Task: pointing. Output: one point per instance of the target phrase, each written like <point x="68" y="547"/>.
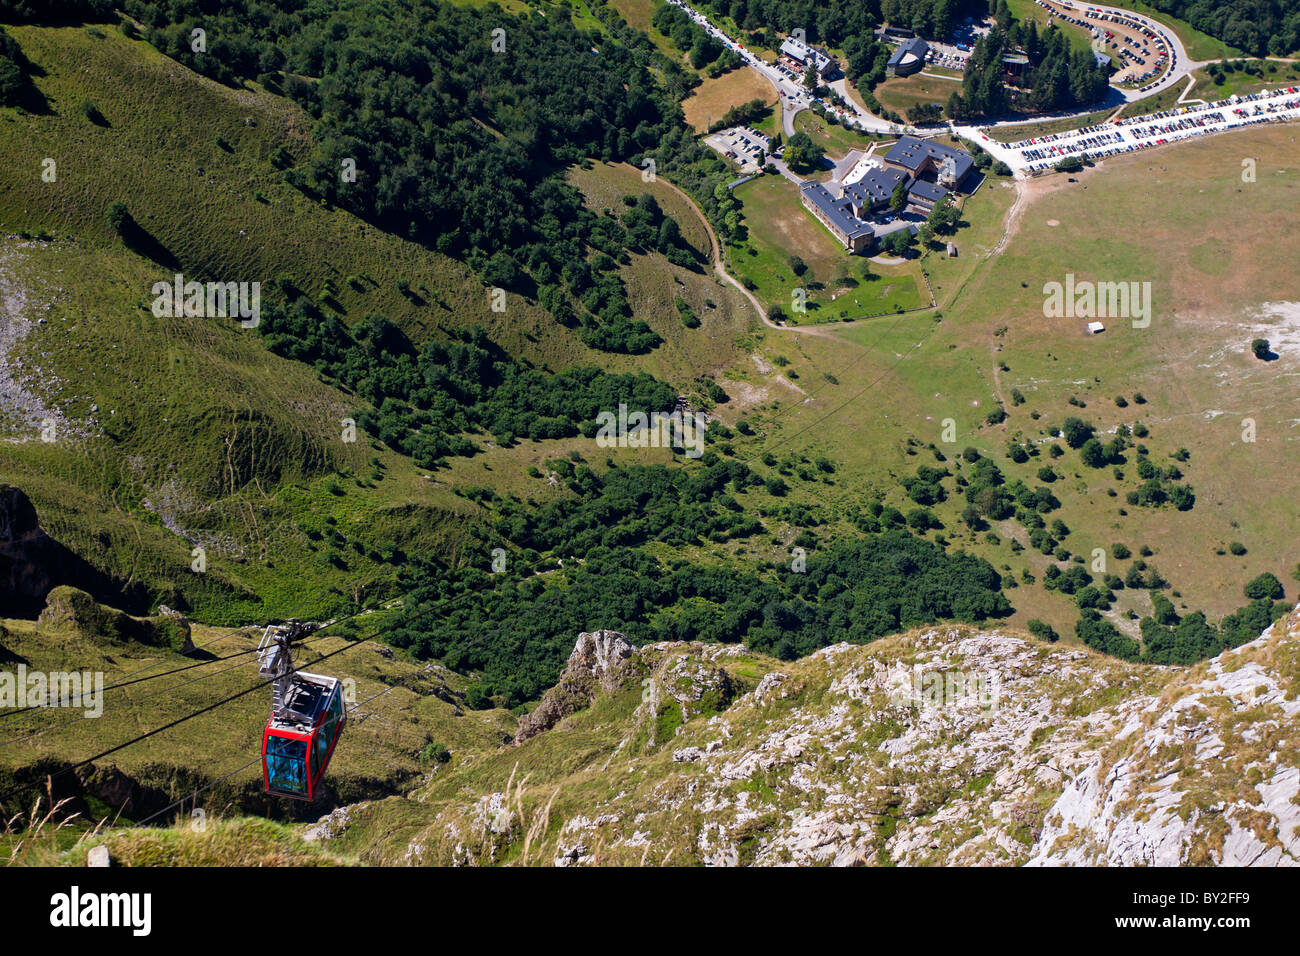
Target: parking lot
<point x="1141" y="54"/>
<point x="745" y="146"/>
<point x="1041" y="153"/>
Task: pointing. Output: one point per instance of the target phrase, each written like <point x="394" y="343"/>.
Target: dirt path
<point x="1023" y="197"/>
<point x="1013" y="216"/>
<point x="715" y="254"/>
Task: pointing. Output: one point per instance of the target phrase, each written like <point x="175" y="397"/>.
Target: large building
<point x="801" y="56"/>
<point x="837" y="216"/>
<point x="929" y="172"/>
<point x="873" y="190"/>
<point x="926" y="159"/>
<point x="908" y="58"/>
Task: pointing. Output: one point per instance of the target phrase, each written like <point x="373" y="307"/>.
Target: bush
<point x="1076" y="432"/>
<point x="1265" y="586"/>
<point x="478" y="697"/>
<point x="119" y="217"/>
<point x="1044" y="632"/>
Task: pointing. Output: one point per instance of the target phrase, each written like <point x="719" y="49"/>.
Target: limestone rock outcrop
<point x="601" y="660"/>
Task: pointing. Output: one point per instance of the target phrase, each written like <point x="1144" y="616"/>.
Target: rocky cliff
<point x="947" y="746"/>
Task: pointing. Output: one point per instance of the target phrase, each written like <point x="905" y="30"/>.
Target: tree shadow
<point x="33" y="101"/>
<point x="93" y="114"/>
<point x="139" y="240"/>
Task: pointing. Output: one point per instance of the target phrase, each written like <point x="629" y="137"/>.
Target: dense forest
<point x="1057" y="78"/>
<point x="454" y="126"/>
<point x="519" y="633"/>
<point x="1260" y="27"/>
<point x="424" y="401"/>
<point x="833" y="22"/>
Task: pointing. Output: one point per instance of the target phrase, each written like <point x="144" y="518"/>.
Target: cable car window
<point x="324" y="736"/>
<point x="286" y="764"/>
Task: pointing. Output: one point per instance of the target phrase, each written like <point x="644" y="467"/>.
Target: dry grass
<point x="903" y="92"/>
<point x="712" y="98"/>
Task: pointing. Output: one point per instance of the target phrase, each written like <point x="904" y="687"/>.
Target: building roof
<point x="908" y="50"/>
<point x="910" y="153"/>
<point x="930" y="192"/>
<point x="875" y="186"/>
<point x="803" y="53"/>
<point x="839" y="212"/>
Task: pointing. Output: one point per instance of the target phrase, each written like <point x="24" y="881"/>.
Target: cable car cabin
<point x="301" y="734"/>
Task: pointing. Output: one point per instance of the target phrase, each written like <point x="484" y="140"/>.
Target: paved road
<point x="1181" y="64"/>
<point x="794" y="97"/>
<point x="791" y="92"/>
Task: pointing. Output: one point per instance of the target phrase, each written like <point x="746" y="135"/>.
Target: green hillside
<point x="408" y="438"/>
<point x="200" y="433"/>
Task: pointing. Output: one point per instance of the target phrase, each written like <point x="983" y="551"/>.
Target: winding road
<point x="795" y="98"/>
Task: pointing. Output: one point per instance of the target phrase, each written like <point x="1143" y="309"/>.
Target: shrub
<point x="1042" y="631"/>
<point x="119" y="217"/>
<point x="1265" y="586"/>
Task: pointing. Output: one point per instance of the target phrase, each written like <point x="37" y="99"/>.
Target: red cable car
<point x="307" y="718"/>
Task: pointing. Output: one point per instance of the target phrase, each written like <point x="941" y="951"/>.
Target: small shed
<point x="1095" y="327"/>
<point x="952" y="250"/>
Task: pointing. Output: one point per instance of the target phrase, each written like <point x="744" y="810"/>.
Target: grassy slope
<point x="912" y="373"/>
<point x="174" y="394"/>
<point x="903" y="92"/>
<point x="836" y="140"/>
<point x="710" y="100"/>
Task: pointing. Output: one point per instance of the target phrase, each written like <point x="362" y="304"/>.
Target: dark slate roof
<point x="876" y="186"/>
<point x="927" y="191"/>
<point x="910" y="152"/>
<point x="837" y="211"/>
<point x="915" y="46"/>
